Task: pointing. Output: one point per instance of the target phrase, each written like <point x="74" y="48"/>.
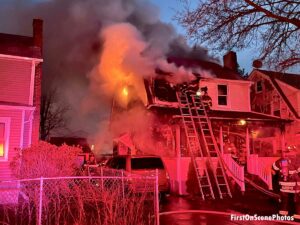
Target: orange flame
<point x="125" y="91"/>
<point x="122" y="63"/>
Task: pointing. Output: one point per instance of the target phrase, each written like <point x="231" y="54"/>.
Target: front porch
<point x="248" y="145"/>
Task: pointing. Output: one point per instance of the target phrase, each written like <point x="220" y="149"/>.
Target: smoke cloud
<point x="92" y="48"/>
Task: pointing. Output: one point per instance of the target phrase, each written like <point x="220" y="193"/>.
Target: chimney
<point x="230" y="61"/>
<point x="37" y="25"/>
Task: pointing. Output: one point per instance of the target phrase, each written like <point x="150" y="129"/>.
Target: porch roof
<point x="225" y="115"/>
<point x="237" y="115"/>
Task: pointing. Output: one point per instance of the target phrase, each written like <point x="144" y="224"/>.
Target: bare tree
<point x="53" y="113"/>
<point x="272" y="26"/>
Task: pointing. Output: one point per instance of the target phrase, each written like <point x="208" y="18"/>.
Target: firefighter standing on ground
<point x="288" y="170"/>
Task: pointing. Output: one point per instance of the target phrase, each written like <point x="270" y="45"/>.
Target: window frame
<point x="256" y="85"/>
<point x="222" y="95"/>
<point x="6" y="121"/>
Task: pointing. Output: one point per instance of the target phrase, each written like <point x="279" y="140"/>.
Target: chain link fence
<point x="113" y="198"/>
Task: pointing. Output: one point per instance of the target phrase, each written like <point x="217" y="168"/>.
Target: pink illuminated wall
<point x="238" y="94"/>
<point x="15" y="81"/>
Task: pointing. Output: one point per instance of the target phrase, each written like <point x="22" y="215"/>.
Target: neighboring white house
<point x="278" y="94"/>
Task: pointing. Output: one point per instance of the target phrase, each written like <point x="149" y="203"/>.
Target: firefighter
<point x="206" y="100"/>
<point x="287" y="171"/>
<point x="297" y="197"/>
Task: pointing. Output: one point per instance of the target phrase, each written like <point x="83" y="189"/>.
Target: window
<point x="4" y="135"/>
<point x="117" y="163"/>
<point x="259" y="86"/>
<point x="222" y="94"/>
<point x="2" y="139"/>
<point x="276" y="105"/>
<point x="146" y="163"/>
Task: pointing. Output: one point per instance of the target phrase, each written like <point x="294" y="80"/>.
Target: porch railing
<point x="262" y="167"/>
<point x="236" y="171"/>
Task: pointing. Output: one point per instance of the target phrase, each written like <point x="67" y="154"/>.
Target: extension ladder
<point x="197" y="125"/>
<point x="211" y="147"/>
<point x="194" y="146"/>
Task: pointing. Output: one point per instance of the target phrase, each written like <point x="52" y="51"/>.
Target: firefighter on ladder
<point x="206" y="99"/>
<point x="288" y="171"/>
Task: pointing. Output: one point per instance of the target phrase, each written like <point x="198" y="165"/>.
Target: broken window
<point x="163" y="91"/>
<point x="222" y="94"/>
<point x="276" y="105"/>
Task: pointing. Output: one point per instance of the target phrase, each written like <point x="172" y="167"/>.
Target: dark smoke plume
<point x="74" y="40"/>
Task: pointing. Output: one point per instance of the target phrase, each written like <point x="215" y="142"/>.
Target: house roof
<point x="17" y="45"/>
<point x="288" y="78"/>
<point x="214" y="68"/>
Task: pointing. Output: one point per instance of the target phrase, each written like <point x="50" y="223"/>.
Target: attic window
<point x="222" y="94"/>
<point x="259" y="86"/>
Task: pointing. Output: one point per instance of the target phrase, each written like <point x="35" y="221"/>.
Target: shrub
<point x="46" y="160"/>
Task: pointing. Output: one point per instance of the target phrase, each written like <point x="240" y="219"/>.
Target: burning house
<point x="225" y="132"/>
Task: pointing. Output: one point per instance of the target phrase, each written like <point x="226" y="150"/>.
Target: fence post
<point x="41" y="201"/>
<point x="123" y="191"/>
<point x="156" y="202"/>
<point x="101" y="174"/>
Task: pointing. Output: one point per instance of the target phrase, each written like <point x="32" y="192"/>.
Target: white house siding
<point x="27" y="129"/>
<point x="238" y="94"/>
<point x="15" y="78"/>
<point x="292" y="136"/>
<point x="292" y="94"/>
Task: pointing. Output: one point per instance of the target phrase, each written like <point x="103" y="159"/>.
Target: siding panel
<point x="15" y="78"/>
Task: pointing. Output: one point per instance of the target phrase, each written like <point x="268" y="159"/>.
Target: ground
<point x="250" y="203"/>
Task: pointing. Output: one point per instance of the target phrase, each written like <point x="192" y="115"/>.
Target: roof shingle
<point x="288" y="78"/>
<point x="216" y="69"/>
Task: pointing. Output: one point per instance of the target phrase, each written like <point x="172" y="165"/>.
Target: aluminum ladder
<point x="194" y="146"/>
<point x="211" y="147"/>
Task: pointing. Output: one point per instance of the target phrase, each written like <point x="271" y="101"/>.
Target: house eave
<point x="36" y="60"/>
